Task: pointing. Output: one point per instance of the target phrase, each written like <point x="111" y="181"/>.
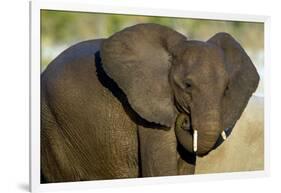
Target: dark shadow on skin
<point x="139" y="157"/>
<point x="220" y="139"/>
<point x="111" y="85"/>
<point x="42" y="178"/>
<point x="185" y="155"/>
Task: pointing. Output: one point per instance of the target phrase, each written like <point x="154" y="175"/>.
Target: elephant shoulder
<point x="79" y="51"/>
<point x="72" y="70"/>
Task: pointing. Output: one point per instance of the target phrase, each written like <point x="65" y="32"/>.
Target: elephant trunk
<point x="208" y="134"/>
<point x="207" y="141"/>
<point x="184" y="135"/>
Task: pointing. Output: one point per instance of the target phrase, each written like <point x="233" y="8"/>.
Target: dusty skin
<point x="244" y="148"/>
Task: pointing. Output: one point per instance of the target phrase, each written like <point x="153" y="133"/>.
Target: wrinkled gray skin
<point x="117" y="118"/>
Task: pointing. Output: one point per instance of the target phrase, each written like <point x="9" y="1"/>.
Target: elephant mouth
<point x="184" y="123"/>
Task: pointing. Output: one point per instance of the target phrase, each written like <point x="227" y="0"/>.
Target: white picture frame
<point x="35" y="8"/>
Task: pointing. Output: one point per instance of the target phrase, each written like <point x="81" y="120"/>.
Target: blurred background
<point x="244" y="149"/>
<point x="61" y="29"/>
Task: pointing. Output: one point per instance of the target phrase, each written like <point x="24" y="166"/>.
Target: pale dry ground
<point x="244" y="148"/>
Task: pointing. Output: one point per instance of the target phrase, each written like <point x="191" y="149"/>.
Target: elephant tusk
<point x="223" y="135"/>
<point x="195" y="136"/>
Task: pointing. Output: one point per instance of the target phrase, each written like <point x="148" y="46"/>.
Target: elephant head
<point x="164" y="74"/>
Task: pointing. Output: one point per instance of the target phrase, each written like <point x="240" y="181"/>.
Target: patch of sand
<point x="244" y="148"/>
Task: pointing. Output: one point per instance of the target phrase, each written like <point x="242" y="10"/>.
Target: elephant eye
<point x="226" y="90"/>
<point x="187" y="85"/>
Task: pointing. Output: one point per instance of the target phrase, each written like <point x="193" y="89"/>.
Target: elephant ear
<point x="243" y="77"/>
<point x="138" y="59"/>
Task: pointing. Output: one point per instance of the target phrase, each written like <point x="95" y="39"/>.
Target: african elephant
<point x="144" y="102"/>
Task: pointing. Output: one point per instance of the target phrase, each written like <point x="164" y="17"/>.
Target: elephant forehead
<point x="203" y="56"/>
<point x="205" y="64"/>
